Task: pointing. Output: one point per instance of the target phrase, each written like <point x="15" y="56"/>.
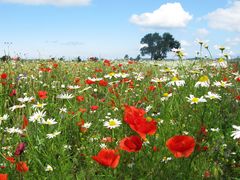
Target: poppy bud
<point x="20" y="149"/>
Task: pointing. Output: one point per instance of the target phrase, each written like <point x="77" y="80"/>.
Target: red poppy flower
<point x="4" y="76"/>
<point x="3" y="176"/>
<point x="80" y="98"/>
<point x="42" y="94"/>
<point x="22" y="167"/>
<point x="82" y="110"/>
<point x="55" y="65"/>
<point x="225" y="79"/>
<point x="107" y="157"/>
<point x="11" y="159"/>
<point x="25" y="122"/>
<point x="103" y="83"/>
<point x="135" y="119"/>
<point x="207" y="174"/>
<point x="13" y="93"/>
<point x="89" y="82"/>
<point x="98" y="70"/>
<point x="94" y="108"/>
<point x="107" y="62"/>
<point x="203" y="131"/>
<point x="238" y="98"/>
<point x="181" y="146"/>
<point x="155" y="149"/>
<point x="131" y="144"/>
<point x="45" y="69"/>
<point x="151" y="88"/>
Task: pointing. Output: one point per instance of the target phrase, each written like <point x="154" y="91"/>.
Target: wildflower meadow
<point x="120" y="119"/>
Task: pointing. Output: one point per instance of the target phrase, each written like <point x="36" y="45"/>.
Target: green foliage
<point x="157" y="46"/>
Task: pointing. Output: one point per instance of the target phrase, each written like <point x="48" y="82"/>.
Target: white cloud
<point x="202" y="32"/>
<point x="233" y="41"/>
<point x="50" y="2"/>
<point x="226" y="19"/>
<point x="170" y="15"/>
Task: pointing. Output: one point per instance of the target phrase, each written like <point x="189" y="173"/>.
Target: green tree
<point x="158" y="46"/>
<point x="126" y="57"/>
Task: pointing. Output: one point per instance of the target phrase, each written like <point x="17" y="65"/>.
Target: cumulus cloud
<point x="226" y="18"/>
<point x="49" y="2"/>
<point x="170" y="15"/>
<point x="233" y="41"/>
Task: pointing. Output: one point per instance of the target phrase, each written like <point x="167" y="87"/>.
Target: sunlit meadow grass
<point x="66" y="152"/>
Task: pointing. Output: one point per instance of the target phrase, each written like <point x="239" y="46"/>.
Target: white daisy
<point x="37" y="116"/>
<point x="220" y="63"/>
<point x="236" y="133"/>
<point x="203" y="82"/>
<point x="49" y="121"/>
<point x="3" y="118"/>
<point x="166" y="96"/>
<point x="124" y="75"/>
<point x="139" y="76"/>
<point x="52" y="135"/>
<point x="69" y="147"/>
<point x="73" y="87"/>
<point x="195" y="100"/>
<point x="223" y="84"/>
<point x="176" y="81"/>
<point x="87" y="125"/>
<point x="111" y="75"/>
<point x="166" y="159"/>
<point x="14" y="130"/>
<point x="112" y="123"/>
<point x="215" y="129"/>
<point x="103" y="146"/>
<point x="159" y="80"/>
<point x="17" y="107"/>
<point x="48" y="168"/>
<point x="25" y="99"/>
<point x="65" y="96"/>
<point x="94" y="79"/>
<point x="169" y="71"/>
<point x="38" y="105"/>
<point x="148" y="108"/>
<point x="211" y="95"/>
<point x="62" y="110"/>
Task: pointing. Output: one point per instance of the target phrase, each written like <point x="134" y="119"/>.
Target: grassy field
<point x="120" y="120"/>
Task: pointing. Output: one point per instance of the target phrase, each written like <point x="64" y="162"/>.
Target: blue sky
<point x="111" y="29"/>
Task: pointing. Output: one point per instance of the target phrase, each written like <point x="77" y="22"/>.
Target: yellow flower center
<point x="195" y="100"/>
<point x="167" y="69"/>
<point x="39" y="105"/>
<point x="175" y="79"/>
<point x="149" y="119"/>
<point x="203" y="79"/>
<point x="220" y="60"/>
<point x="223" y="84"/>
<point x="165" y="94"/>
<point x="212" y="97"/>
<point x="111" y="74"/>
<point x="112" y="123"/>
